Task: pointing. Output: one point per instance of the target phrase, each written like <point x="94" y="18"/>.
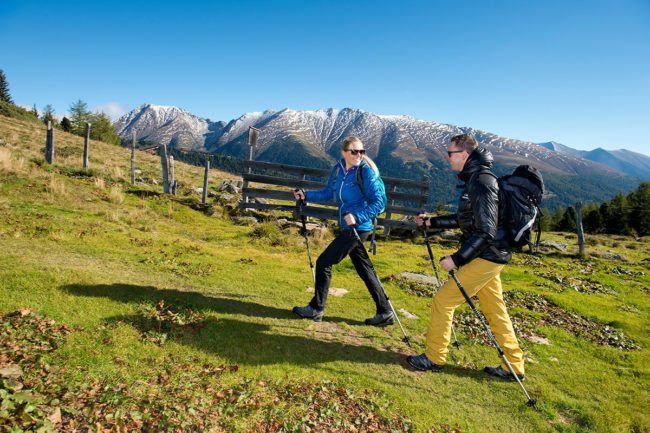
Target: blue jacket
<point x="342" y="187"/>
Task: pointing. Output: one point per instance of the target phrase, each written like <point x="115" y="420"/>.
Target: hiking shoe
<point x="308" y="312"/>
<point x="422" y="363"/>
<point x="500" y="373"/>
<point x="381" y="319"/>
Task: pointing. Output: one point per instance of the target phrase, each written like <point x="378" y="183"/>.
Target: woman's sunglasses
<point x="357" y="151"/>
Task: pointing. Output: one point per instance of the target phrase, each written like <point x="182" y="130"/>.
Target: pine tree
<point x="639" y="209"/>
<point x="616" y="219"/>
<point x="66" y="125"/>
<point x="102" y="129"/>
<point x="79" y="116"/>
<point x="35" y="111"/>
<point x="568" y="221"/>
<point x="48" y="114"/>
<point x="5" y="96"/>
<point x="592" y="220"/>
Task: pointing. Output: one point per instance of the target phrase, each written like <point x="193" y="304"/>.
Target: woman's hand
<point x="350" y="219"/>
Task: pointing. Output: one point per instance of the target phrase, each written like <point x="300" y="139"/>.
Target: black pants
<point x="344" y="244"/>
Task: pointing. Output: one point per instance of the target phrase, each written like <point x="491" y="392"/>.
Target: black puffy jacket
<point x="478" y="213"/>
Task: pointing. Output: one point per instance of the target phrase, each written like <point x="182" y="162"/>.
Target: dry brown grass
<point x="10" y="163"/>
<point x="115" y="195"/>
<point x="55" y="188"/>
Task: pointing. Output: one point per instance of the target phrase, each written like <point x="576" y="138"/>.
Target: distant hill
<point x="628" y="162"/>
<point x="401" y="145"/>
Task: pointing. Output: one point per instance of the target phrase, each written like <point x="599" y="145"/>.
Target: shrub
<point x="270" y="233"/>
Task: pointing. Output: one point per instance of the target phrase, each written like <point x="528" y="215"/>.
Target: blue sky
<point x="576" y="72"/>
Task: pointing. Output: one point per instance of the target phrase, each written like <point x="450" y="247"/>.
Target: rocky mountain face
<point x="400" y="145"/>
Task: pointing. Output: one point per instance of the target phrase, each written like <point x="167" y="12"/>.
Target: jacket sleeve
<point x="484" y="199"/>
<point x="326" y="193"/>
<point x="445" y="221"/>
<point x="375" y="197"/>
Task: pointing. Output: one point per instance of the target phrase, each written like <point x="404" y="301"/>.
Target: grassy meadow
<point x="123" y="309"/>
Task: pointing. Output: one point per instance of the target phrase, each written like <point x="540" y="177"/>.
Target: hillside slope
<point x="176" y="319"/>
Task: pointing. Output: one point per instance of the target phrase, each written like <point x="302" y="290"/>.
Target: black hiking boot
<point x="308" y="312"/>
<point x="381" y="319"/>
<point x="422" y="363"/>
<point x="500" y="373"/>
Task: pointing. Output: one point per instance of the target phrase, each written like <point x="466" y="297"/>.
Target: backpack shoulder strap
<point x="359" y="179"/>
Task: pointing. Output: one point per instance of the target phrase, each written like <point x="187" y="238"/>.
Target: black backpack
<point x="520" y="197"/>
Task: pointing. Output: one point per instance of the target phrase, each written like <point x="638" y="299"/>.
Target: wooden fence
<point x="405" y="197"/>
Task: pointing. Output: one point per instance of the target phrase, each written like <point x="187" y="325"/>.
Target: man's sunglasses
<point x="357" y="151"/>
<point x="450" y="152"/>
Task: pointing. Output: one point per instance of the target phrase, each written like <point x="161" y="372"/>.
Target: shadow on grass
<point x="143" y="193"/>
<point x="229" y="304"/>
<point x="241" y="341"/>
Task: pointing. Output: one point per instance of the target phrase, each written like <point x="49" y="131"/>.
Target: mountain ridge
<point x="401" y="145"/>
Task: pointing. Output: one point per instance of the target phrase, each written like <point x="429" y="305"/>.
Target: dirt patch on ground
<point x="331" y="331"/>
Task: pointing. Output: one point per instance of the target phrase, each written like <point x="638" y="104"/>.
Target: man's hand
<point x="423" y="219"/>
<point x="350" y="219"/>
<point x="447" y="263"/>
<point x="299" y="194"/>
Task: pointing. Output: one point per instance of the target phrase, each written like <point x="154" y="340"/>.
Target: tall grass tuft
<point x="55" y="188"/>
<point x="269" y="232"/>
<point x="115" y="195"/>
<point x="9" y="163"/>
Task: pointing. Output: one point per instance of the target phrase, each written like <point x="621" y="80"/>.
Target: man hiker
<point x="483" y="253"/>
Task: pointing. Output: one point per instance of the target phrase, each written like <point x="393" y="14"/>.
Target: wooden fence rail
<point x="412" y="194"/>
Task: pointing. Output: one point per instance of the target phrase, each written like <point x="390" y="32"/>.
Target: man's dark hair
<point x="465" y="142"/>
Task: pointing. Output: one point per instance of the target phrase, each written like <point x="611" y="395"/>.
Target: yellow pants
<point x="478" y="277"/>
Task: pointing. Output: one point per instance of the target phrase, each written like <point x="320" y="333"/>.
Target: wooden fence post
<point x="165" y="169"/>
<point x="86" y="143"/>
<point x="205" y="180"/>
<point x="49" y="143"/>
<point x="133" y="158"/>
<point x="393" y="188"/>
<point x="172" y="181"/>
<point x="581" y="234"/>
<point x="253" y="134"/>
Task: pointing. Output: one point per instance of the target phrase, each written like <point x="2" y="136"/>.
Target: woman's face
<point x="354" y="154"/>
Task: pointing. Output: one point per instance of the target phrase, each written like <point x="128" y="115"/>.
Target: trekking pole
<point x="299" y="204"/>
<point x="406" y="338"/>
<point x="531" y="402"/>
<point x="438" y="282"/>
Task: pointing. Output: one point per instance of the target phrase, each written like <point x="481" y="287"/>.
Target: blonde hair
<point x="353" y="139"/>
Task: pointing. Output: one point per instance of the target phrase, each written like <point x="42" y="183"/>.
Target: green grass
<point x="90" y="251"/>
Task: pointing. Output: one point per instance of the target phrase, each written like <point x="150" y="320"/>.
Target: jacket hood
<point x="480" y="158"/>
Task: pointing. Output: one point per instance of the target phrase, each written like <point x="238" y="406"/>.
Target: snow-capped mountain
<point x="401" y="145"/>
<point x="164" y="124"/>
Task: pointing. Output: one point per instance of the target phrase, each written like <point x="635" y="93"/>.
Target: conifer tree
<point x="79" y="116"/>
<point x="66" y="125"/>
<point x="639" y="209"/>
<point x="102" y="129"/>
<point x="48" y="114"/>
<point x="5" y="96"/>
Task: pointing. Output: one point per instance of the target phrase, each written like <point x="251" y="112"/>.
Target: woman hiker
<point x="355" y="185"/>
